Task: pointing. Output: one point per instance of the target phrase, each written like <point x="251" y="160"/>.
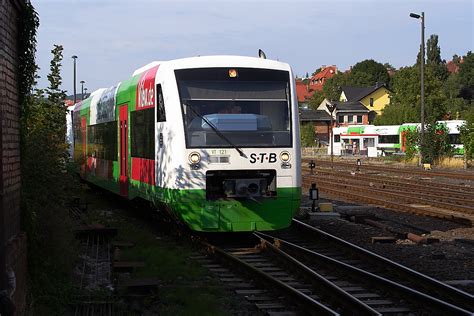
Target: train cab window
<point x="142" y="127"/>
<point x="252" y="109"/>
<point x="337" y="138"/>
<point x="160" y="107"/>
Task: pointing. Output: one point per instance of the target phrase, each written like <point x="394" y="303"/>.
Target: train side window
<point x="142" y="135"/>
<point x="160" y="107"/>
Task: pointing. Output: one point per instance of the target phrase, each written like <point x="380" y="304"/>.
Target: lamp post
<point x="82" y="89"/>
<point x="85" y="90"/>
<point x="74" y="57"/>
<point x="331" y="107"/>
<point x="422" y="79"/>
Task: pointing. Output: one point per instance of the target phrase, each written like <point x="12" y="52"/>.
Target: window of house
<point x="359" y="118"/>
<point x="371" y="102"/>
<point x="350" y="118"/>
<point x="369" y="142"/>
<point x="340" y="119"/>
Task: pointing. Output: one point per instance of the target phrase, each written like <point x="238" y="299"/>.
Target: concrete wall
<point x="15" y="241"/>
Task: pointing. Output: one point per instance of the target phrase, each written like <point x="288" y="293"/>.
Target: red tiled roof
<point x="302" y="91"/>
<point x="452" y="67"/>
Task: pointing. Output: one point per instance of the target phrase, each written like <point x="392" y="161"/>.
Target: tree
<point x="405" y="98"/>
<point x="307" y="135"/>
<point x="433" y="51"/>
<point x="47" y="184"/>
<point x="466" y="77"/>
<point x="435" y="143"/>
<point x="332" y="87"/>
<point x="433" y="58"/>
<point x="467" y="139"/>
<point x="368" y="73"/>
<point x="316" y="99"/>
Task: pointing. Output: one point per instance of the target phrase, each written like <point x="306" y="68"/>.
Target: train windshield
<point x="251" y="109"/>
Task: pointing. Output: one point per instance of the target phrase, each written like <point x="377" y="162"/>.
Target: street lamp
<point x="82" y="89"/>
<point x="331" y="107"/>
<point x="85" y="90"/>
<point x="74" y="57"/>
<point x="422" y="78"/>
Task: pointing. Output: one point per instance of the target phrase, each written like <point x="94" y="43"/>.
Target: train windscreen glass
<point x="251" y="108"/>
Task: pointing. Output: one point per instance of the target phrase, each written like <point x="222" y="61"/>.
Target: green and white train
<point x="213" y="140"/>
<point x="373" y="141"/>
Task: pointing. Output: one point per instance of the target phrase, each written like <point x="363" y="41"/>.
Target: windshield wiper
<point x="216" y="130"/>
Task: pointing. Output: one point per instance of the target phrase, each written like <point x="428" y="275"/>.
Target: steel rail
<point x="400" y="196"/>
<point x="350" y="302"/>
<point x="434" y="211"/>
<point x="409" y="185"/>
<point x="412" y="192"/>
<point x="310" y="305"/>
<point x="434" y="304"/>
<point x="431" y="173"/>
<point x="435" y="287"/>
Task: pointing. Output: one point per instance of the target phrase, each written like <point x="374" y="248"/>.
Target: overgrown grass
<point x="450" y="162"/>
<point x="187" y="289"/>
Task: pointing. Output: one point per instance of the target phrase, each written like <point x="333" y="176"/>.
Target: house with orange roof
<point x="316" y="82"/>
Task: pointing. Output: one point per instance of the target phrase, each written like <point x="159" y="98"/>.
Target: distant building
<point x="320" y="120"/>
<point x="317" y="81"/>
<point x="70" y="98"/>
<point x="374" y="98"/>
<point x="453" y="66"/>
<point x="305" y="90"/>
<point x="347" y="113"/>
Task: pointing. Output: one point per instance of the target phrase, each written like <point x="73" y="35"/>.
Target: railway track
<point x="458" y="193"/>
<point x="322" y="274"/>
<point x="452" y="203"/>
<point x="385" y="169"/>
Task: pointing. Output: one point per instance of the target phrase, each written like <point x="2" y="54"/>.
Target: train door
<point x="123" y="179"/>
<point x="84" y="145"/>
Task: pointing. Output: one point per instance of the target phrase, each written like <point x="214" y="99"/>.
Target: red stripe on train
<point x="143" y="170"/>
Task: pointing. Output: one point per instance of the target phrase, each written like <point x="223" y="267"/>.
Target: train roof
<point x="195" y="62"/>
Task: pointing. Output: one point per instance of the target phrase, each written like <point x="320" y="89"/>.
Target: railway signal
<point x="313" y="195"/>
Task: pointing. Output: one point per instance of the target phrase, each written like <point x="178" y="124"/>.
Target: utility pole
<point x="82" y="89"/>
<point x="331" y="107"/>
<point x="74" y="57"/>
<point x="422" y="79"/>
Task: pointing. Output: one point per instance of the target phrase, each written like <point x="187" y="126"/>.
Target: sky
<point x="112" y="38"/>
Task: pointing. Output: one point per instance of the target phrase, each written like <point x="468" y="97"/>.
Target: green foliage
<point x="332" y="87"/>
<point x="411" y="143"/>
<point x="467" y="138"/>
<point x="307" y="135"/>
<point x="466" y="77"/>
<point x="29" y="23"/>
<point x="405" y="100"/>
<point x="47" y="184"/>
<point x="316" y="99"/>
<point x="433" y="51"/>
<point x="365" y="73"/>
<point x="368" y="73"/>
<point x="435" y="143"/>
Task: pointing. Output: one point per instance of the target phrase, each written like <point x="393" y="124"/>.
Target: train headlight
<point x="194" y="158"/>
<point x="285" y="156"/>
